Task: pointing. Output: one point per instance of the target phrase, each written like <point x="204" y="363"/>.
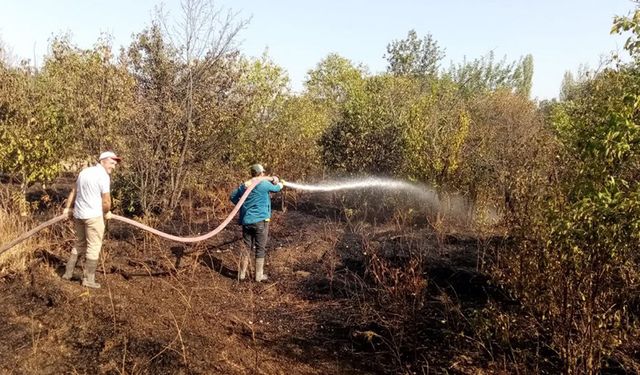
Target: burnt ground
<point x="342" y="298"/>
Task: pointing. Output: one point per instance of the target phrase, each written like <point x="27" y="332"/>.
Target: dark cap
<point x="256" y="169"/>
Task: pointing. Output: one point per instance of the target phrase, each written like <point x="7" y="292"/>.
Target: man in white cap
<point x="92" y="206"/>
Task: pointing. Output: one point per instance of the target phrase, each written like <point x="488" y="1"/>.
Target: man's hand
<point x="275" y="180"/>
<point x="108" y="215"/>
<point x="67" y="212"/>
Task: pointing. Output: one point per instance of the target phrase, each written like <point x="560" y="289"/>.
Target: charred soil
<point x="341" y="299"/>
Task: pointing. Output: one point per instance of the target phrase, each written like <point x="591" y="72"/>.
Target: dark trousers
<point x="255" y="237"/>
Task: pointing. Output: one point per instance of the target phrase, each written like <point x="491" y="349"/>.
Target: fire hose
<point x="249" y="187"/>
<point x="425" y="194"/>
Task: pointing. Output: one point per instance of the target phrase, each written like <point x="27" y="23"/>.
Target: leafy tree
<point x="435" y="129"/>
<point x="507" y="154"/>
<point x="524" y="73"/>
<point x="414" y="56"/>
<point x="571" y="84"/>
<point x="368" y="137"/>
<point x="97" y="94"/>
<point x="187" y="95"/>
<point x="34" y="131"/>
<point x="582" y="271"/>
<point x="629" y="23"/>
<point x="303" y="121"/>
<point x="5" y="55"/>
<point x="266" y="88"/>
<point x="485" y="74"/>
<point x="567" y="86"/>
<point x="334" y="79"/>
<point x="595" y="226"/>
<point x="332" y="84"/>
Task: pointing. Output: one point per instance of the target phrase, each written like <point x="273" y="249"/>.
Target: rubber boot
<point x="89" y="279"/>
<point x="71" y="265"/>
<point x="244" y="265"/>
<point x="260" y="276"/>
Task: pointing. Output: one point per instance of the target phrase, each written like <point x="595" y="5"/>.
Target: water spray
<point x="423" y="193"/>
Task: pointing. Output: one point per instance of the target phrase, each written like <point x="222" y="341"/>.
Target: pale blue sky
<point x="560" y="34"/>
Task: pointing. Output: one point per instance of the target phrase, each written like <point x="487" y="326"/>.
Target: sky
<point x="561" y="35"/>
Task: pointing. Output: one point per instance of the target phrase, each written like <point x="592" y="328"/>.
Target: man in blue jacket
<point x="255" y="214"/>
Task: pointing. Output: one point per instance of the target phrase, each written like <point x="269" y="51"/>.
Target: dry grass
<point x="16" y="258"/>
<point x="15" y="219"/>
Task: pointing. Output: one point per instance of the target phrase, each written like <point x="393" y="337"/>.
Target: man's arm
<point x="106" y="202"/>
<point x="276" y="185"/>
<point x="235" y="196"/>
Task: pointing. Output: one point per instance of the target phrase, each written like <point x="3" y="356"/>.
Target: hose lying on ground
<point x="254" y="182"/>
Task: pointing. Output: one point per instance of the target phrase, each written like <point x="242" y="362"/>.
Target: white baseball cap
<point x="109" y="154"/>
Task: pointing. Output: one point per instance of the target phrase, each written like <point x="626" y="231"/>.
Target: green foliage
<point x="435" y="130"/>
<point x="571" y="84"/>
<point x="576" y="264"/>
<point x="524" y="74"/>
<point x="485" y="74"/>
<point x="34" y="132"/>
<point x="295" y="142"/>
<point x="594" y="231"/>
<point x="567" y="87"/>
<point x="331" y="85"/>
<point x="368" y="136"/>
<point x="413" y="56"/>
<point x="334" y="80"/>
<point x="97" y="94"/>
<point x="629" y="23"/>
<point x="265" y="86"/>
<point x="397" y="126"/>
<point x="273" y="120"/>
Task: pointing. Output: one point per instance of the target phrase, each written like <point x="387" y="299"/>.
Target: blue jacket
<point x="257" y="206"/>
